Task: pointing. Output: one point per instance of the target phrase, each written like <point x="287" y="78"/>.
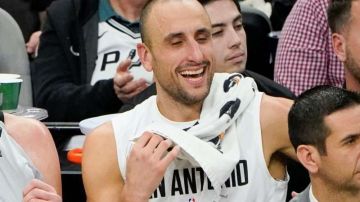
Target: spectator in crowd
<point x="78" y="72"/>
<point x="344" y="21"/>
<point x="305" y="57"/>
<point x="177" y="45"/>
<point x="29" y="165"/>
<point x="324" y="127"/>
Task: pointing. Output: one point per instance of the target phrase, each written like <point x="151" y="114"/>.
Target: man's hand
<point x="33" y="43"/>
<point x="37" y="190"/>
<point x="124" y="85"/>
<point x="146" y="166"/>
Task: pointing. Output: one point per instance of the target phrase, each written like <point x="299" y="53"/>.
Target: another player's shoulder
<point x="101" y="134"/>
<point x="25" y="130"/>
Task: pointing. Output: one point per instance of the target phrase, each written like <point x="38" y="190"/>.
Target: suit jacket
<point x="303" y="196"/>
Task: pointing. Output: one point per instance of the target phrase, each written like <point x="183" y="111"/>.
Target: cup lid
<point x="9" y="76"/>
<point x="10" y="80"/>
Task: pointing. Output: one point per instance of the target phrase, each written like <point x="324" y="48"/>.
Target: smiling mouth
<point x="193" y="73"/>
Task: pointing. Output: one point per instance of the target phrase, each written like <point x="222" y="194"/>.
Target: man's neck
<point x="323" y="192"/>
<point x="128" y="9"/>
<point x="176" y="111"/>
<point x="351" y="82"/>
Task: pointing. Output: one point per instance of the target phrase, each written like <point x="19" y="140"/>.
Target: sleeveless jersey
<point x="116" y="42"/>
<point x="16" y="169"/>
<point x="249" y="181"/>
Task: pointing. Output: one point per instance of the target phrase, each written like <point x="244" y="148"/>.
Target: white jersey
<point x="16" y="169"/>
<point x="116" y="42"/>
<point x="249" y="181"/>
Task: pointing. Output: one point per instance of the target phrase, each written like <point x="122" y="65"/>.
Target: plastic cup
<point x="9" y="92"/>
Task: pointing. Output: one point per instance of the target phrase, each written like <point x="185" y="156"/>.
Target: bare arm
<point x="274" y="127"/>
<point x="36" y="140"/>
<point x="100" y="170"/>
<point x="148" y="160"/>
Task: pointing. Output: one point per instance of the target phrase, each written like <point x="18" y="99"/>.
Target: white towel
<point x="204" y="144"/>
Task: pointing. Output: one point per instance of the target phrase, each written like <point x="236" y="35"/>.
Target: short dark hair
<point x="306" y="116"/>
<point x="148" y="7"/>
<point x="339" y="14"/>
<point x="206" y="2"/>
<point x="145" y="13"/>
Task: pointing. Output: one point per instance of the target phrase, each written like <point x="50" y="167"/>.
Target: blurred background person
<point x="86" y="64"/>
<point x="305" y="57"/>
<point x="344" y="21"/>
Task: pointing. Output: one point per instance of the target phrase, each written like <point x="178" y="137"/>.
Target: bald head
<point x="154" y="7"/>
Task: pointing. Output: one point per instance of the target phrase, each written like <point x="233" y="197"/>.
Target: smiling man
<point x="203" y="137"/>
<point x="324" y="127"/>
<point x="229" y="47"/>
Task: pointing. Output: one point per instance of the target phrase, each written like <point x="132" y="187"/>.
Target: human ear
<point x="339" y="45"/>
<point x="309" y="157"/>
<point x="145" y="56"/>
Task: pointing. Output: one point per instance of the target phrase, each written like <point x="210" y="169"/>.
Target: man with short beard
<point x="230" y="52"/>
<point x="344" y="21"/>
<point x="203" y="137"/>
<point x="324" y="125"/>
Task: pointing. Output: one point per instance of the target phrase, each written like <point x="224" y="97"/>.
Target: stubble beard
<point x="178" y="94"/>
<point x="346" y="186"/>
<point x="352" y="66"/>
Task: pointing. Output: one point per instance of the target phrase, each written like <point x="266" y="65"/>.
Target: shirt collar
<point x="105" y="10"/>
<point x="311" y="195"/>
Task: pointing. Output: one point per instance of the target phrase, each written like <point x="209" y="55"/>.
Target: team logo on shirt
<point x="231" y="82"/>
<point x="189" y="181"/>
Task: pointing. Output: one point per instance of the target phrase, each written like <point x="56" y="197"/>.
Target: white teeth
<point x="192" y="72"/>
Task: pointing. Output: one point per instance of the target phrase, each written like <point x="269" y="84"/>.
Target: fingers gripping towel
<point x="213" y="138"/>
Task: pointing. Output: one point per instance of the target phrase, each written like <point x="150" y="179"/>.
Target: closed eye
<point x="218" y="33"/>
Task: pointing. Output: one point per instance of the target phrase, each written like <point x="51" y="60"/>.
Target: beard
<point x="348" y="186"/>
<point x="181" y="95"/>
<point x="352" y="65"/>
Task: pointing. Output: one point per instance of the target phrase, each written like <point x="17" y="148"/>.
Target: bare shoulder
<point x="26" y="130"/>
<point x="32" y="135"/>
<point x="273" y="113"/>
<point x="36" y="140"/>
<point x="100" y="138"/>
<point x="101" y="173"/>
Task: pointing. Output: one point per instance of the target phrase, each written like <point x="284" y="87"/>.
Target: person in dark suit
<point x="324" y="128"/>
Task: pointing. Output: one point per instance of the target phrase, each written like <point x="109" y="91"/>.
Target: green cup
<point x="9" y="93"/>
